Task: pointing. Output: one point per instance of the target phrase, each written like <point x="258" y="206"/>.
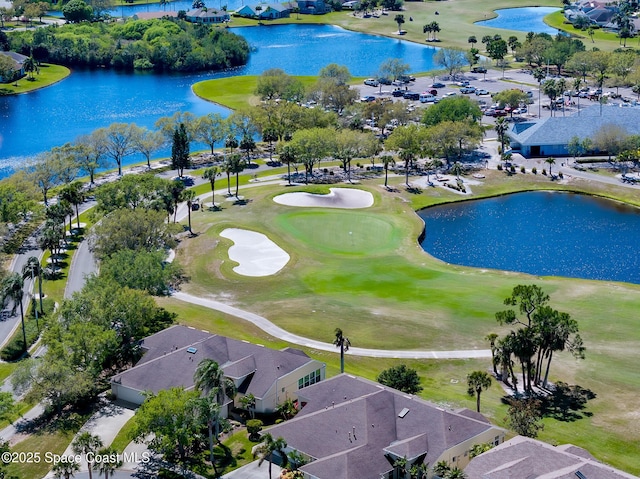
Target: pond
<point x="525" y="19"/>
<point x="540" y="233"/>
<point x="88" y="100"/>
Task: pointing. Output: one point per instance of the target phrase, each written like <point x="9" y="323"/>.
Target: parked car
<point x="482" y="91"/>
<point x="411" y="95"/>
<point x="407" y="78"/>
<point x="437" y="85"/>
<point x="462" y="83"/>
<point x="397" y="93"/>
<point x="479" y="70"/>
<point x="384" y="81"/>
<point x="427" y="97"/>
<point x="367" y="99"/>
<point x="468" y="89"/>
<point x="451" y="93"/>
<point x="397" y="83"/>
<point x="371" y="82"/>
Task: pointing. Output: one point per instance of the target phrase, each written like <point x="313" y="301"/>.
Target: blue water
<point x="88" y="100"/>
<point x="541" y="233"/>
<point x="130" y="10"/>
<point x="525" y="19"/>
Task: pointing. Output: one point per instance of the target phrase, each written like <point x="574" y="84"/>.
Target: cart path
<point x="270" y="328"/>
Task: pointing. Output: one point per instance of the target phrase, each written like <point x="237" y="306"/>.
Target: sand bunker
<point x="338" y="198"/>
<point x="256" y="254"/>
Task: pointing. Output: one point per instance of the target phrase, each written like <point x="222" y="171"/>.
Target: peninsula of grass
<point x="48" y="75"/>
<point x="363" y="271"/>
<point x="236" y="92"/>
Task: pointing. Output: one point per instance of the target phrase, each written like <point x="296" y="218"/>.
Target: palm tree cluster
<point x="432" y="29"/>
<point x="541" y="332"/>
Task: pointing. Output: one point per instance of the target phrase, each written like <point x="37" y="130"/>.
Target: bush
<point x="534" y="170"/>
<point x="522" y="170"/>
<point x="15" y="347"/>
<point x="254" y="426"/>
<point x="560" y="175"/>
<point x="544" y="172"/>
<point x="512" y="169"/>
<point x="499" y="167"/>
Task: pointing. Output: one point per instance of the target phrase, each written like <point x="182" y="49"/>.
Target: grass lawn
<point x="235" y="92"/>
<point x="49" y="74"/>
<point x="381" y="288"/>
<point x="54" y="443"/>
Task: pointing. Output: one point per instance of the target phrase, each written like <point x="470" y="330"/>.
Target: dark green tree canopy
<point x="401" y="378"/>
<point x="458" y="108"/>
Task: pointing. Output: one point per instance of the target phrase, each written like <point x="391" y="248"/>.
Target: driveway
<point x="252" y="471"/>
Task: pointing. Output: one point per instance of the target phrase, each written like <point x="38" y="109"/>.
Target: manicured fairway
<point x="385" y="292"/>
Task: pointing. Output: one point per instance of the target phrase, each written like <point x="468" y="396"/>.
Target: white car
<point x="371" y="82"/>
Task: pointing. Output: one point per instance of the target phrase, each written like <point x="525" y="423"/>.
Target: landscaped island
<point x="161" y="45"/>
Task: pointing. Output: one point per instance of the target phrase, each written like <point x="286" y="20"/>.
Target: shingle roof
<point x="173" y="355"/>
<point x="528" y="458"/>
<point x="356" y="425"/>
<point x="559" y="130"/>
<point x="18" y="58"/>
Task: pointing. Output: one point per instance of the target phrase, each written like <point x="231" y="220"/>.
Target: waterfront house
<point x="18" y="66"/>
<point x="207" y="16"/>
<point x="264" y="11"/>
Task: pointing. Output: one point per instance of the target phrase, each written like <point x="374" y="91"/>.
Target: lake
<point x="88" y="100"/>
<point x="540" y="233"/>
<point x="525" y="19"/>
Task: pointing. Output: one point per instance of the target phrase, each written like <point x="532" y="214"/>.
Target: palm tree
<point x="551" y="161"/>
<point x="269" y="447"/>
<point x="188" y="196"/>
<point x="12" y="288"/>
<point x="441" y="469"/>
<point x="343" y="343"/>
<point x="478" y="381"/>
<point x="236" y="165"/>
<point x="227" y="169"/>
<point x="85" y="443"/>
<point x="106" y="466"/>
<point x="209" y="378"/>
<point x="209" y="409"/>
<point x="73" y="194"/>
<point x="427" y="29"/>
<point x="399" y="19"/>
<point x="435" y="28"/>
<point x="492" y="337"/>
<point x="66" y="469"/>
<point x="576" y="86"/>
<point x="386" y="161"/>
<point x="288" y="156"/>
<point x="502" y="126"/>
<point x="539" y="74"/>
<point x="456" y="473"/>
<point x="456" y="169"/>
<point x="211" y="174"/>
<point x="33" y="268"/>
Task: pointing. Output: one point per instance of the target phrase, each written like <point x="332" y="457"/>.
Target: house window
<point x="309" y="379"/>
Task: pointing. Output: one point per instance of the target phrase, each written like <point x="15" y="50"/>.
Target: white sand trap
<point x="338" y="198"/>
<point x="256" y="254"/>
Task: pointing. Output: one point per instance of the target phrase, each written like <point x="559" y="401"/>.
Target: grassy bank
<point x="362" y="271"/>
<point x="49" y="74"/>
<point x="236" y="92"/>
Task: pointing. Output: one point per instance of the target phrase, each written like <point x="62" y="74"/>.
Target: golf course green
<point x="364" y="272"/>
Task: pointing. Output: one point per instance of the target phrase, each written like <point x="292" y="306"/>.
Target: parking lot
<point x="486" y="85"/>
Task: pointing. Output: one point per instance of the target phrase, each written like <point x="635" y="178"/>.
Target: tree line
<point x="166" y="44"/>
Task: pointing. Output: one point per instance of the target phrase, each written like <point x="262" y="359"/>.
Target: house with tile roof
<point x="529" y="458"/>
<point x="551" y="136"/>
<point x="171" y="357"/>
<point x="353" y="428"/>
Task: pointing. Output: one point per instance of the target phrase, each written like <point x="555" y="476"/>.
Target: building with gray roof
<point x="529" y="458"/>
<point x="171" y="357"/>
<point x="551" y="136"/>
<point x="352" y="428"/>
